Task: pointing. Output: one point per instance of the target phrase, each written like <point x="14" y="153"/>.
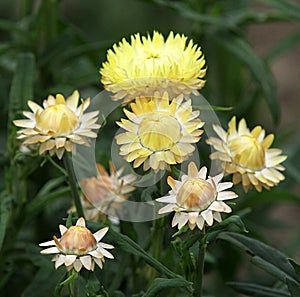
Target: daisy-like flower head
<point x="195" y="199"/>
<point x="247" y="155"/>
<point x="159" y="132"/>
<point x="78" y="247"/>
<point x="58" y="124"/>
<point x="105" y="192"/>
<point x="148" y="65"/>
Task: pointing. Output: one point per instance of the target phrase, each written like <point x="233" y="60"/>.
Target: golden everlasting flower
<point x="78" y="247"/>
<point x="58" y="124"/>
<point x="148" y="65"/>
<point x="159" y="132"/>
<point x="195" y="199"/>
<point x="105" y="192"/>
<point x="247" y="155"/>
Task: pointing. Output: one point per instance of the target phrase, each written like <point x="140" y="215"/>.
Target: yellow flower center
<point x="58" y="119"/>
<point x="159" y="131"/>
<point x="77" y="240"/>
<point x="248" y="152"/>
<point x="196" y="194"/>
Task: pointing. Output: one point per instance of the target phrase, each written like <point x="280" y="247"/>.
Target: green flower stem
<point x="73" y="185"/>
<point x="200" y="267"/>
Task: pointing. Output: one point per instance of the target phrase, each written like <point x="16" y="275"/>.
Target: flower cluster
<point x="247" y="155"/>
<point x="160" y="130"/>
<point x="196" y="199"/>
<point x="147" y="65"/>
<point x="105" y="193"/>
<point x="78" y="247"/>
<point x="58" y="124"/>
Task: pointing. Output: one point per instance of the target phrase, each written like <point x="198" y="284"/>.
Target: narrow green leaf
<point x="284" y="45"/>
<point x="5" y="209"/>
<point x="14" y="28"/>
<point x="126" y="244"/>
<point x="290" y="8"/>
<point x="213" y="107"/>
<point x="296" y="266"/>
<point x="160" y="284"/>
<point x="22" y="85"/>
<point x="293" y="288"/>
<point x="256" y="290"/>
<point x="266" y="257"/>
<point x="266" y="197"/>
<point x="241" y="49"/>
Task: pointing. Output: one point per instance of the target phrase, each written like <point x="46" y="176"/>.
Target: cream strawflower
<point x="196" y="199"/>
<point x="58" y="124"/>
<point x="147" y="65"/>
<point x="159" y="132"/>
<point x="105" y="192"/>
<point x="78" y="247"/>
<point x="247" y="155"/>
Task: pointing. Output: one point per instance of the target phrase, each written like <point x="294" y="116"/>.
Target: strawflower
<point x="105" y="192"/>
<point x="78" y="247"/>
<point x="58" y="124"/>
<point x="159" y="132"/>
<point x="247" y="155"/>
<point x="153" y="64"/>
<point x="195" y="199"/>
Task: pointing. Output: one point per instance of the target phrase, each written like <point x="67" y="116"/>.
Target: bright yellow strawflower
<point x="159" y="132"/>
<point x="197" y="200"/>
<point x="247" y="155"/>
<point x="58" y="124"/>
<point x="147" y="65"/>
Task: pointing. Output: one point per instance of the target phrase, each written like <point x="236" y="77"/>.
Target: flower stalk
<point x="200" y="266"/>
<point x="73" y="185"/>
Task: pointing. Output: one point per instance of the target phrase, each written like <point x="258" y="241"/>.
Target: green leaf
<point x="14" y="28"/>
<point x="256" y="290"/>
<point x="161" y="283"/>
<point x="266" y="197"/>
<point x="126" y="244"/>
<point x="293" y="288"/>
<point x="296" y="266"/>
<point x="235" y="220"/>
<point x="5" y="210"/>
<point x="264" y="256"/>
<point x="242" y="50"/>
<point x="50" y="191"/>
<point x="290" y="8"/>
<point x="22" y="85"/>
<point x="285" y="44"/>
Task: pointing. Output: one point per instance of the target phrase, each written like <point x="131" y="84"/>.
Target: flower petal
<point x="100" y="233"/>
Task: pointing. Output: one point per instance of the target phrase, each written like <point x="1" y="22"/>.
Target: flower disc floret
<point x="195" y="199"/>
<point x="78" y="247"/>
<point x="247" y="155"/>
<point x="159" y="132"/>
<point x="153" y="64"/>
<point x="59" y="124"/>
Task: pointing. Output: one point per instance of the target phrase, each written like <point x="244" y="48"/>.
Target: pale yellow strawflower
<point x="153" y="64"/>
<point x="159" y="132"/>
<point x="78" y="247"/>
<point x="247" y="155"/>
<point x="58" y="124"/>
<point x="195" y="199"/>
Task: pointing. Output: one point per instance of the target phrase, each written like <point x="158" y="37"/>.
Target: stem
<point x="73" y="185"/>
<point x="200" y="267"/>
